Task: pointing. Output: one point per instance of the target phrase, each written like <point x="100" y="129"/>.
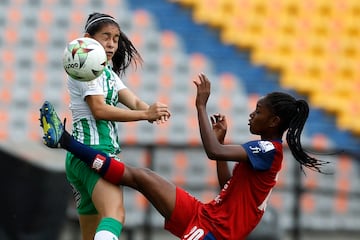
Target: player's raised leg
<point x="160" y="192"/>
<point x="55" y="136"/>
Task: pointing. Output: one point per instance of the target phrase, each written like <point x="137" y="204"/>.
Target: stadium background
<point x="246" y="47"/>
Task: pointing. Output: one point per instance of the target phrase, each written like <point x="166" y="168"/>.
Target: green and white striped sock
<point x="108" y="229"/>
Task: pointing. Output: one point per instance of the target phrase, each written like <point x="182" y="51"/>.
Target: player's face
<point x="261" y="119"/>
<point x="108" y="36"/>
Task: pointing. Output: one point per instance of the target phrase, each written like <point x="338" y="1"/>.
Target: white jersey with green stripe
<point x="100" y="134"/>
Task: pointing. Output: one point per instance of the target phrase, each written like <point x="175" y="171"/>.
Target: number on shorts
<point x="194" y="234"/>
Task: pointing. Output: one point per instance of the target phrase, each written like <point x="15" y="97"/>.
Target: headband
<point x="98" y="19"/>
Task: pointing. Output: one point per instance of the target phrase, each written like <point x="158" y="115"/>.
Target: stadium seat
<point x="135" y="205"/>
<point x="219" y="9"/>
<point x="143" y="21"/>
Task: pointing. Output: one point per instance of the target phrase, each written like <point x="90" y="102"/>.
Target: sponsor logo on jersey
<point x="255" y="149"/>
<point x="218" y="198"/>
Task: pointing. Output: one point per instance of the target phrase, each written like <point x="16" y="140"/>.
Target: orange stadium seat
<point x="10" y="35"/>
<point x="7" y="75"/>
<point x="4" y="124"/>
<point x="308" y="203"/>
<point x="142" y="20"/>
<point x="219" y="10"/>
<point x="169" y="41"/>
<point x="350" y="112"/>
<point x="14" y="15"/>
<point x="343" y="183"/>
<point x="136" y="205"/>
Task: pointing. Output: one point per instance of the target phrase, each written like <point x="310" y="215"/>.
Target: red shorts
<point x="185" y="221"/>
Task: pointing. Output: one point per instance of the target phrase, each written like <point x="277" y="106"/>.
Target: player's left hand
<point x="219" y="126"/>
<point x="203" y="90"/>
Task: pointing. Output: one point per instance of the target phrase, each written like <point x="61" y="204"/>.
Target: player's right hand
<point x="158" y="112"/>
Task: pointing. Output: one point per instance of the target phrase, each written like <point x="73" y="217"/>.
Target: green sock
<point x="111" y="225"/>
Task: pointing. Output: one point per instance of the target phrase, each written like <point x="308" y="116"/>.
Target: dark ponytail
<point x="126" y="52"/>
<point x="293" y="138"/>
<point x="293" y="115"/>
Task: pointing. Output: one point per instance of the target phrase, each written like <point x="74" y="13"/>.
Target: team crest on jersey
<point x="111" y="84"/>
<point x="266" y="146"/>
<point x="263" y="146"/>
<point x="98" y="162"/>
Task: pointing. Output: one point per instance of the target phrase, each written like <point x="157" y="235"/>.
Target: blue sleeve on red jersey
<point x="260" y="153"/>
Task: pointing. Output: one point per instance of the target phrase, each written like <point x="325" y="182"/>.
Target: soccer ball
<point x="84" y="59"/>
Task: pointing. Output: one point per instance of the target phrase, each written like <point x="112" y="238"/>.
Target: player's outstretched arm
<point x="103" y="111"/>
<point x="213" y="148"/>
<point x="155" y="111"/>
<point x="219" y="126"/>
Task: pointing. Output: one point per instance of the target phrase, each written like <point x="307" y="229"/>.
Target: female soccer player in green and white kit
<point x="94" y="113"/>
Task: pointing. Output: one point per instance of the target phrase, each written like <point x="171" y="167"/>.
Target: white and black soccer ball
<point x="84" y="59"/>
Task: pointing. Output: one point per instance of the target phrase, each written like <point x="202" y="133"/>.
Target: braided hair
<point x="293" y="115"/>
<point x="126" y="52"/>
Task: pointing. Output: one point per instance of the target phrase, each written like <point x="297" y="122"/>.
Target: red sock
<point x="109" y="168"/>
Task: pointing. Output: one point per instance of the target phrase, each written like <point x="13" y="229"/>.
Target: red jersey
<point x="238" y="208"/>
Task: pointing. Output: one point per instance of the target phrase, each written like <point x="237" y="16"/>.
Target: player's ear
<point x="86" y="35"/>
<point x="275" y="121"/>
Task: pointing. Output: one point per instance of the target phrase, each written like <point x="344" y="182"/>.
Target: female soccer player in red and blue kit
<point x="241" y="203"/>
